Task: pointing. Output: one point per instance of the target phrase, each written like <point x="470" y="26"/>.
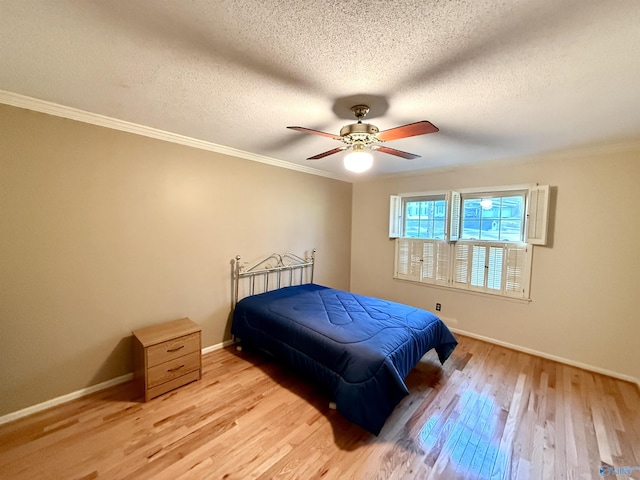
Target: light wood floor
<point x="489" y="412"/>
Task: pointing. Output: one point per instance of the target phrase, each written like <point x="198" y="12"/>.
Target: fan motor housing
<point x="359" y="128"/>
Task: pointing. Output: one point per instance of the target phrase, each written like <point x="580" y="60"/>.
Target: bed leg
<point x="332" y="405"/>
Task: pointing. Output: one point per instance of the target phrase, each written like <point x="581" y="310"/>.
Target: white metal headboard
<point x="278" y="269"/>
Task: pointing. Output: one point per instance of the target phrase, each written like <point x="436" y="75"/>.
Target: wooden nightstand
<point x="167" y="356"/>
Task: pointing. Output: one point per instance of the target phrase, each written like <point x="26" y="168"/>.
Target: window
<point x="424" y="217"/>
<point x="477" y="241"/>
<point x="493" y="217"/>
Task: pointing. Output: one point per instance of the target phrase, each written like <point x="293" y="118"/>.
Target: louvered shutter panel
<point x="402" y="257"/>
<point x="453" y="219"/>
<point x="443" y="263"/>
<point x="516" y="271"/>
<point x="408" y="259"/>
<point x="428" y="262"/>
<point x="461" y="265"/>
<point x="537" y="215"/>
<point x="494" y="268"/>
<point x="415" y="260"/>
<point x="395" y="216"/>
<point x="478" y="262"/>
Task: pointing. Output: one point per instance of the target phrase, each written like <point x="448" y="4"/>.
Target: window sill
<point x="466" y="292"/>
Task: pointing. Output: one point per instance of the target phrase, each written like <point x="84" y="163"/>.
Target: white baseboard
<point x="87" y="391"/>
<point x="217" y="346"/>
<point x="566" y="361"/>
<point x="64" y="398"/>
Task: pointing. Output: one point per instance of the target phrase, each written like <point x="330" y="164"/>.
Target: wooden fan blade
<point x="397" y="153"/>
<point x="326" y="154"/>
<point x="410" y="130"/>
<point x="316" y="132"/>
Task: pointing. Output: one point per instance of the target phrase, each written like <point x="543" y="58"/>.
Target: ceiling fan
<point x="360" y="136"/>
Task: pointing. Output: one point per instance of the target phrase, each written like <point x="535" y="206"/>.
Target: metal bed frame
<point x="277" y="265"/>
<point x="274" y="265"/>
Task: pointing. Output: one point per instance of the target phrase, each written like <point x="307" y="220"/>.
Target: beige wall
<point x="102" y="232"/>
<point x="585" y="285"/>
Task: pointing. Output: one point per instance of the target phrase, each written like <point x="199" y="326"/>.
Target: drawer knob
<point x="175" y="369"/>
<point x="171" y="350"/>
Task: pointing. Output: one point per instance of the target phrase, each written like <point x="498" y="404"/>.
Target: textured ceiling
<point x="501" y="79"/>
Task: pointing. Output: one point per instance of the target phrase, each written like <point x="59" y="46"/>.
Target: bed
<point x="358" y="348"/>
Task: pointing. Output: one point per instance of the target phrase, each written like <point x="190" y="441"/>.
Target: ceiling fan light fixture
<point x="359" y="159"/>
<point x="362" y="138"/>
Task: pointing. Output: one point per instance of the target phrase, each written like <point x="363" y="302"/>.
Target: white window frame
<point x="452" y="263"/>
<point x="452" y="217"/>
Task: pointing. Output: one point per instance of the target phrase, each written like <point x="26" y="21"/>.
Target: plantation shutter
<point x="453" y="219"/>
<point x="478" y="262"/>
<point x="402" y="258"/>
<point x="443" y="263"/>
<point x="461" y="265"/>
<point x="408" y="259"/>
<point x="428" y="262"/>
<point x="516" y="271"/>
<point x="395" y="216"/>
<point x="537" y="215"/>
<point x="494" y="268"/>
<point x="480" y="266"/>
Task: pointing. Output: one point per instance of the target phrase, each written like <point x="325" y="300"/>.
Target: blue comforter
<point x="359" y="348"/>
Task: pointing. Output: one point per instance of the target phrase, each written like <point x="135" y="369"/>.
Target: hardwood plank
<point x="560" y="424"/>
<point x="591" y="440"/>
<point x="487" y="412"/>
<point x="502" y="468"/>
<point x="578" y="443"/>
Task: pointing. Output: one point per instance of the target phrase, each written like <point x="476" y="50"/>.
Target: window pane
<point x="439" y="218"/>
<point x="511" y="218"/>
<point x="493" y="218"/>
<point x="438" y="228"/>
<point x="424" y="224"/>
<point x="411" y="228"/>
<point x="425" y="219"/>
<point x="471" y="218"/>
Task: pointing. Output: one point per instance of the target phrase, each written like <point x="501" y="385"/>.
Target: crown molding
<point x="50" y="108"/>
<point x="579" y="152"/>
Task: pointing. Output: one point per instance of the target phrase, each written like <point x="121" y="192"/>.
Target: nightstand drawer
<point x="173" y="369"/>
<point x="171" y="349"/>
<point x="173" y="384"/>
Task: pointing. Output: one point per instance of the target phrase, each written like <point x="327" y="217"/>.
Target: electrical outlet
<point x="438" y="307"/>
